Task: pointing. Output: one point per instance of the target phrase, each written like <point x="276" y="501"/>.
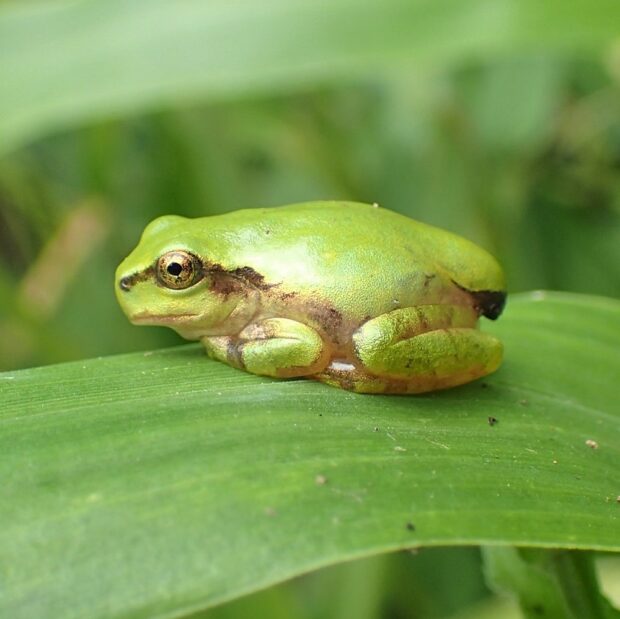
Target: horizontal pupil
<point x="174" y="268"/>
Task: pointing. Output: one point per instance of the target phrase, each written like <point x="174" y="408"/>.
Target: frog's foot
<point x="276" y="347"/>
<point x="417" y="349"/>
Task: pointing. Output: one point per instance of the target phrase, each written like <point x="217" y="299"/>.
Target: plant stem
<point x="558" y="584"/>
<point x="574" y="571"/>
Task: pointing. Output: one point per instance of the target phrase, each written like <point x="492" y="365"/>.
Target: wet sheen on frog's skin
<point x="350" y="294"/>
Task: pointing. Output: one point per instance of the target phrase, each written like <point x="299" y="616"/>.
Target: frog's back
<point x="320" y="242"/>
<point x="362" y="259"/>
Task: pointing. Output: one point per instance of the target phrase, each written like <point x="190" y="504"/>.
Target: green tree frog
<point x="350" y="294"/>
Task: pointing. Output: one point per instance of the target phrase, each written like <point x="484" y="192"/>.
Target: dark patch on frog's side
<point x="329" y="318"/>
<point x="492" y="302"/>
<point x="287" y="296"/>
<point x="428" y="279"/>
<point x="237" y="280"/>
<point x="251" y="276"/>
<point x="233" y="354"/>
<point x="318" y="311"/>
<point x="226" y="281"/>
<point x="126" y="283"/>
<point x="489" y="303"/>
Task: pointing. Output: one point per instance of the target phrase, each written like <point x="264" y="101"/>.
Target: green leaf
<point x="67" y="63"/>
<point x="158" y="483"/>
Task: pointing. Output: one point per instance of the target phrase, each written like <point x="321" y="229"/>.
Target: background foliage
<point x="497" y="119"/>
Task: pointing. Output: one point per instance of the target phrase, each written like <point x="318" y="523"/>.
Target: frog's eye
<point x="179" y="269"/>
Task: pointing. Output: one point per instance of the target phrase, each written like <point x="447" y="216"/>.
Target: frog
<point x="350" y="294"/>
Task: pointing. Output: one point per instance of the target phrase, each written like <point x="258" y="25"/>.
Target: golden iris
<point x="179" y="269"/>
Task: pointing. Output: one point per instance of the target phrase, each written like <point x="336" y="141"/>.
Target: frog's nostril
<point x="125" y="283"/>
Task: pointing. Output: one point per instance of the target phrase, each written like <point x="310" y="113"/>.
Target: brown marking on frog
<point x="233" y="353"/>
<point x="489" y="303"/>
<point x="422" y="326"/>
<point x="249" y="275"/>
<point x="129" y="281"/>
<point x="228" y="281"/>
<point x="221" y="281"/>
<point x="308" y="309"/>
<point x="285" y="296"/>
<point x="428" y="278"/>
<point x="329" y="318"/>
<point x="344" y="378"/>
<point x="241" y="280"/>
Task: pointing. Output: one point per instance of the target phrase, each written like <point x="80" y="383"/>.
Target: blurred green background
<point x="497" y="120"/>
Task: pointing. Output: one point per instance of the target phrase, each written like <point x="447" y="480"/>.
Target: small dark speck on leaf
<point x="484" y="385"/>
<point x="410" y="526"/>
<point x="376" y="429"/>
<point x="538" y="609"/>
<point x="493" y="420"/>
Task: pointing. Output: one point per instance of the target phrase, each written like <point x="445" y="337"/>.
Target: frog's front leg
<point x="277" y="347"/>
<point x="418" y="349"/>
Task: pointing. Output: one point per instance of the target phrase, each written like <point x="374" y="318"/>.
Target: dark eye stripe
<point x="127" y="282"/>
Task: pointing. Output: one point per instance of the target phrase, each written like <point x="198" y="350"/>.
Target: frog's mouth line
<point x="145" y="318"/>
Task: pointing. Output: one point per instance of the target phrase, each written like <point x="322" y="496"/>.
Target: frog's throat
<point x="238" y="316"/>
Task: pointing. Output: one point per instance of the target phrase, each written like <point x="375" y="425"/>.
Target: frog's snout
<point x="125" y="283"/>
<point x="489" y="303"/>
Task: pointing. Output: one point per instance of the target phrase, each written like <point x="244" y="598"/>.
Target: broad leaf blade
<point x="150" y="484"/>
<point x="67" y="63"/>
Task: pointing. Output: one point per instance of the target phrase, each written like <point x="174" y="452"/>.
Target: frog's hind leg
<point x="417" y="349"/>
